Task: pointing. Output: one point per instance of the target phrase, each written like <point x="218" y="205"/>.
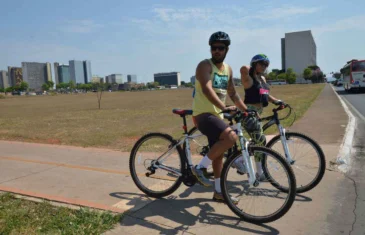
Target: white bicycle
<point x="159" y="164"/>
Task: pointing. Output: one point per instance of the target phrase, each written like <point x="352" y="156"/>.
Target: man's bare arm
<point x="233" y="94"/>
<point x="203" y="72"/>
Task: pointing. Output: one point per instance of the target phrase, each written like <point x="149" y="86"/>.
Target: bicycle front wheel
<point x="310" y="163"/>
<point x="154" y="175"/>
<point x="262" y="202"/>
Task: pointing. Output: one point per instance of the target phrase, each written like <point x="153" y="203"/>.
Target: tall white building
<point x="298" y="51"/>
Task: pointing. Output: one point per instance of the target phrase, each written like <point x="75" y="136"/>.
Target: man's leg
<point x="221" y="137"/>
<point x="227" y="140"/>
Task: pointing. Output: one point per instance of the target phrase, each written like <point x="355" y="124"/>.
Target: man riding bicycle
<point x="256" y="98"/>
<point x="214" y="82"/>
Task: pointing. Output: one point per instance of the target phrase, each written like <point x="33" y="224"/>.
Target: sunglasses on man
<point x="220" y="48"/>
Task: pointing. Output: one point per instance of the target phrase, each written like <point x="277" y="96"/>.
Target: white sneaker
<point x="240" y="166"/>
<point x="261" y="177"/>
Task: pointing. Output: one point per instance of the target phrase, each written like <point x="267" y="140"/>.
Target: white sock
<point x="259" y="168"/>
<point x="217" y="183"/>
<point x="204" y="163"/>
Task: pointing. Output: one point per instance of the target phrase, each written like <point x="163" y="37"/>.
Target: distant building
<point x="77" y="74"/>
<point x="192" y="80"/>
<point x="172" y="78"/>
<point x="87" y="71"/>
<point x="4" y="80"/>
<point x="63" y="73"/>
<point x="96" y="79"/>
<point x="298" y="51"/>
<point x="114" y="78"/>
<point x="55" y="69"/>
<point x="49" y="72"/>
<point x="132" y="78"/>
<point x="36" y="74"/>
<point x="15" y="75"/>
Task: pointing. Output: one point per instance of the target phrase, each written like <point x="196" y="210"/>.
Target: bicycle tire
<point x="133" y="173"/>
<point x="318" y="149"/>
<point x="273" y="216"/>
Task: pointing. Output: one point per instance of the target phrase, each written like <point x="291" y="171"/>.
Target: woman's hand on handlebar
<point x="253" y="112"/>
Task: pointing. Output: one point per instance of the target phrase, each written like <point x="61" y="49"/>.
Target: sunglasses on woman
<point x="264" y="63"/>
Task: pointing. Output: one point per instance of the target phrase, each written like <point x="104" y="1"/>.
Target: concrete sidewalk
<point x="100" y="178"/>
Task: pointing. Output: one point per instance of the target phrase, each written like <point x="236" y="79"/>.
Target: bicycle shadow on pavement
<point x="173" y="214"/>
<point x="189" y="190"/>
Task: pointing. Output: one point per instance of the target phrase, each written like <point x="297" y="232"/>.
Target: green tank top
<point x="219" y="79"/>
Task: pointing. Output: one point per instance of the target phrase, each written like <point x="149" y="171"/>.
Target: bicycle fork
<point x="285" y="145"/>
<point x="246" y="157"/>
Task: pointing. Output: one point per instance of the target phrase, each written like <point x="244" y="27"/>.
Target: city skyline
<point x="164" y="39"/>
<point x="57" y="75"/>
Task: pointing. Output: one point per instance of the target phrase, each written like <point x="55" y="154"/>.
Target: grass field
<point x="18" y="216"/>
<point x="74" y="119"/>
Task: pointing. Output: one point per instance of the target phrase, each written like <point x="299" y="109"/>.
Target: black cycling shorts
<point x="211" y="126"/>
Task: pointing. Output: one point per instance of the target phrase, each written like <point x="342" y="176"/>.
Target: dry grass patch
<point x="122" y="119"/>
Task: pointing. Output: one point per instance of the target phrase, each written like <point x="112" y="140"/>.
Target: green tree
<point x="281" y="76"/>
<point x="313" y="67"/>
<point x="45" y="87"/>
<point x="276" y="71"/>
<point x="290" y="76"/>
<point x="307" y="73"/>
<point x="337" y="75"/>
<point x="50" y="84"/>
<point x="9" y="89"/>
<point x="189" y="84"/>
<point x="71" y="85"/>
<point x="2" y="90"/>
<point x="272" y="76"/>
<point x="24" y="86"/>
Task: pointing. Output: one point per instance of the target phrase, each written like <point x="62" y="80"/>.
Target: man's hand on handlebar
<point x="230" y="109"/>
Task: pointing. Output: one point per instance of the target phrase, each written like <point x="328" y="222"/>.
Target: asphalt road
<point x="357" y="100"/>
<point x="356" y="103"/>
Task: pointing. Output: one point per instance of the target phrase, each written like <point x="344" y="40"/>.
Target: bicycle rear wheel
<point x="268" y="198"/>
<point x="153" y="181"/>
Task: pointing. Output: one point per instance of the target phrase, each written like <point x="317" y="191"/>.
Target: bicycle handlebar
<point x="238" y="115"/>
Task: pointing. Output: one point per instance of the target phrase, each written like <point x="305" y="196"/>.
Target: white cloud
<point x="354" y="22"/>
<point x="285" y="12"/>
<point x="80" y="26"/>
<point x="170" y="14"/>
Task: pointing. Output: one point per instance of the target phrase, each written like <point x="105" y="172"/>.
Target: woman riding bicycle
<point x="256" y="98"/>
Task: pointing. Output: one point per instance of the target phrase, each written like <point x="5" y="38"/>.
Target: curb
<point x="344" y="155"/>
<point x="62" y="200"/>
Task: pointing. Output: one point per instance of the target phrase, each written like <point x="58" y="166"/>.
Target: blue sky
<point x="142" y="38"/>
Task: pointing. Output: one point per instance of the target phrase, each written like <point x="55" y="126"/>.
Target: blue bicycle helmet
<point x="259" y="57"/>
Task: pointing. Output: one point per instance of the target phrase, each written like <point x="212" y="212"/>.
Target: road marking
<point x="83" y="167"/>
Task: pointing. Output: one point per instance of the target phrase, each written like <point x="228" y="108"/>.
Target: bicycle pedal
<point x="240" y="173"/>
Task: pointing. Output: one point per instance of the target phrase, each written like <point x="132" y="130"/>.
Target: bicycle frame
<point x="187" y="154"/>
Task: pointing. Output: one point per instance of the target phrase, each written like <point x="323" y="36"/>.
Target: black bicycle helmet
<point x="220" y="37"/>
